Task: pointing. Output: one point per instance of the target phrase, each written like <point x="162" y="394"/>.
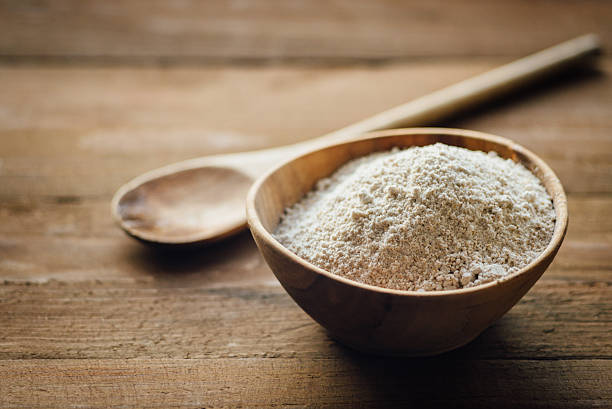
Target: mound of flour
<point x="425" y="218"/>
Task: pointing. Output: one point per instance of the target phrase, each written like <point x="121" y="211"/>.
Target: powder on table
<point x="425" y="218"/>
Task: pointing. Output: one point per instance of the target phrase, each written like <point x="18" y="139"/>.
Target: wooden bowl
<point x="379" y="320"/>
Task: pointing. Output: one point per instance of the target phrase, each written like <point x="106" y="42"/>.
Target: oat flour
<point x="425" y="218"/>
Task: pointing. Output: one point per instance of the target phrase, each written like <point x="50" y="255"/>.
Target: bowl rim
<point x="556" y="192"/>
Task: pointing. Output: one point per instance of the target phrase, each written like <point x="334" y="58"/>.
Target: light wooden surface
<point x="89" y="317"/>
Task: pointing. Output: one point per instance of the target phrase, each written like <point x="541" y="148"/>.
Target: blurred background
<point x="191" y="31"/>
<point x="195" y="77"/>
<point x="157" y="81"/>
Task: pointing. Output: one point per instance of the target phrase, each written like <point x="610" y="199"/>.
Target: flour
<point x="425" y="218"/>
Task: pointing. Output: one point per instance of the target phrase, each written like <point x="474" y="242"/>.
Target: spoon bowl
<point x="380" y="320"/>
<point x="192" y="205"/>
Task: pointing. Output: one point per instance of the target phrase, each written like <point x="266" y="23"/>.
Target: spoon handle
<point x="471" y="92"/>
<point x="250" y="165"/>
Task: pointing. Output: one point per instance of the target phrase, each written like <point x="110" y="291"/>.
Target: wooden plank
<point x="73" y="239"/>
<point x="118" y="258"/>
<point x="83" y="132"/>
<point x="275" y="30"/>
<point x="36" y="229"/>
<point x="166" y="314"/>
<point x="63" y="216"/>
<point x="348" y="380"/>
<point x="60" y="250"/>
<point x="115" y="258"/>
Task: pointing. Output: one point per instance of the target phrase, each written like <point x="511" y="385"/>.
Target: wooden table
<point x="93" y="93"/>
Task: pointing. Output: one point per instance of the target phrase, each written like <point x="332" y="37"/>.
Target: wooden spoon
<point x="202" y="200"/>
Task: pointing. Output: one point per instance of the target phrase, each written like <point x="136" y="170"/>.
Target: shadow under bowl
<point x="379" y="320"/>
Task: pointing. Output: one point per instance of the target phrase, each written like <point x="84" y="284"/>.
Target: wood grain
<point x="283" y="382"/>
<point x="90" y="318"/>
<point x="174" y="315"/>
<point x="346" y="30"/>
